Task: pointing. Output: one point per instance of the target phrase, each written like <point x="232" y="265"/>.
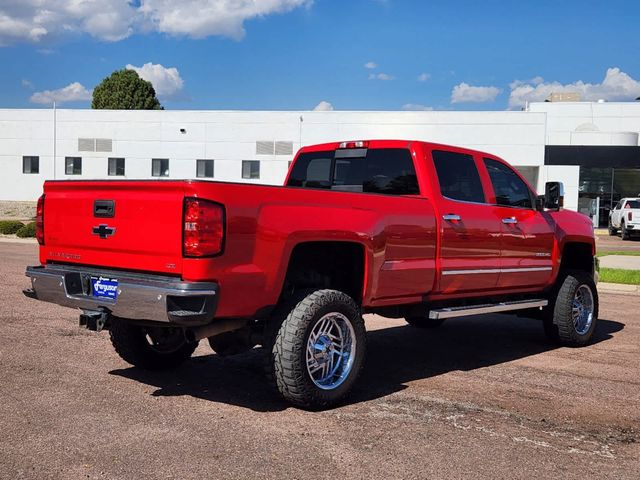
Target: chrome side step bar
<point x="488" y="308"/>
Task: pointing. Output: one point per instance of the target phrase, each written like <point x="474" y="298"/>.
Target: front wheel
<point x="151" y="348"/>
<point x="612" y="230"/>
<point x="319" y="350"/>
<point x="574" y="313"/>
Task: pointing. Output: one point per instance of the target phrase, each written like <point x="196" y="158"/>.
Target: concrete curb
<point x="618" y="288"/>
<point x="621" y="262"/>
<point x="14" y="239"/>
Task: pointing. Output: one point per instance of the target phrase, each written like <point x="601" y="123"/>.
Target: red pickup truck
<point x="404" y="229"/>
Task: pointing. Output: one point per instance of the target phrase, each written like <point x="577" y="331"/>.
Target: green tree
<point x="125" y="90"/>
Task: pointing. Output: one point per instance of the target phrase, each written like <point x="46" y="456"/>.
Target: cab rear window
<point x="387" y="171"/>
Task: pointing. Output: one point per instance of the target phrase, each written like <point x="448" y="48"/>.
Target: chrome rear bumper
<point x="140" y="296"/>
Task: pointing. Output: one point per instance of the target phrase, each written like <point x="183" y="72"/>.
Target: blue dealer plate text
<point x="103" y="287"/>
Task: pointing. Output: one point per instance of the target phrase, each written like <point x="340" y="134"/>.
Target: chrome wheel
<point x="582" y="309"/>
<point x="330" y="351"/>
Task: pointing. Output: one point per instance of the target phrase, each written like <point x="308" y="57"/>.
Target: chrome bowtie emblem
<point x="104" y="231"/>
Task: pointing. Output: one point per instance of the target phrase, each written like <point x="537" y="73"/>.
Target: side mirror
<point x="540" y="203"/>
<point x="553" y="196"/>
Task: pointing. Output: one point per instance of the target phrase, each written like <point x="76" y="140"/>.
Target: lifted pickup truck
<point x="405" y="229"/>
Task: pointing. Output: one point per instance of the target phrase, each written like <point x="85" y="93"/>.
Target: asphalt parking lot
<point x="481" y="397"/>
<point x="609" y="243"/>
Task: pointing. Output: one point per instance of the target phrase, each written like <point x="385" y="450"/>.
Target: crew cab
<point x="625" y="218"/>
<point x="405" y="229"/>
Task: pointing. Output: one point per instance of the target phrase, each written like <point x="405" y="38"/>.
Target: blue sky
<point x="345" y="55"/>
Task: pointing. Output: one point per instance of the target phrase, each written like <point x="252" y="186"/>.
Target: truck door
<point x="527" y="235"/>
<point x="615" y="215"/>
<point x="469" y="228"/>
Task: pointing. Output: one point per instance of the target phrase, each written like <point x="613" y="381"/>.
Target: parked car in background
<point x="625" y="218"/>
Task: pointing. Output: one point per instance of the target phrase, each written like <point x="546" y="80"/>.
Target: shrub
<point x="27" y="231"/>
<point x="9" y="227"/>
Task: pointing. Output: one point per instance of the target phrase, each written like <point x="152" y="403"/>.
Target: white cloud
<point x="74" y="92"/>
<point x="166" y="81"/>
<point x="416" y="107"/>
<point x="380" y="76"/>
<point x="203" y="18"/>
<point x="371" y="65"/>
<point x="323" y="106"/>
<point x="465" y="93"/>
<point x="112" y="20"/>
<point x="616" y="86"/>
<point x="26" y="83"/>
<point x="36" y="20"/>
<point x="423" y="77"/>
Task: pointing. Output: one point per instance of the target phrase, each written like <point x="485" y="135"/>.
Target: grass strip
<point x="619" y="275"/>
<point x="630" y="253"/>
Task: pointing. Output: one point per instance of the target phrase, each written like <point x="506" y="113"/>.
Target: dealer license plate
<point x="103" y="287"/>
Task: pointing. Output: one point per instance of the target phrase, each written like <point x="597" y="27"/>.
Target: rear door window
<point x="458" y="176"/>
<point x="312" y="170"/>
<point x="508" y="187"/>
<point x="387" y="171"/>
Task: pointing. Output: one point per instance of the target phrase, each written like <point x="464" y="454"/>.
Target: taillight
<point x="40" y="220"/>
<point x="630" y="215"/>
<point x="203" y="231"/>
<point x="357" y="144"/>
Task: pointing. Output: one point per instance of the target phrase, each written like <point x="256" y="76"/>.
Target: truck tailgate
<point x="142" y="232"/>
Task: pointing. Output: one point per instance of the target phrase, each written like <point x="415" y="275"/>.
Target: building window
<point x="116" y="167"/>
<point x="250" y="169"/>
<point x="30" y="164"/>
<point x="73" y="165"/>
<point x="204" y="168"/>
<point x="160" y="167"/>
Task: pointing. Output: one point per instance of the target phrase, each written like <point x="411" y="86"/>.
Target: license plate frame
<point x="104" y="288"/>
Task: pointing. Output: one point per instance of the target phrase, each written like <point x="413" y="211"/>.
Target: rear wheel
<point x="624" y="233"/>
<point x="574" y="311"/>
<point x="319" y="349"/>
<point x="151" y="348"/>
<point x="424" y="321"/>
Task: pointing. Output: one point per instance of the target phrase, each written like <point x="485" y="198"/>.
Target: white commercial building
<point x="256" y="146"/>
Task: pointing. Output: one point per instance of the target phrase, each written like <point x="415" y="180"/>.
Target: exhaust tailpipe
<point x="216" y="328"/>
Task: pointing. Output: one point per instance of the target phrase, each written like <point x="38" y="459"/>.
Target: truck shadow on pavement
<point x="395" y="356"/>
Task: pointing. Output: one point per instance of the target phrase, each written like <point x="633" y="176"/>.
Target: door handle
<point x="451" y="217"/>
<point x="510" y="220"/>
